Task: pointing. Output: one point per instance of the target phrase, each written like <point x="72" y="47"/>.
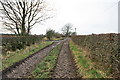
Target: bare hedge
<point x="104" y="50"/>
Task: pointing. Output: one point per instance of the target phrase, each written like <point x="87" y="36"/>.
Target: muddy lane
<point x="65" y="67"/>
<point x="28" y="65"/>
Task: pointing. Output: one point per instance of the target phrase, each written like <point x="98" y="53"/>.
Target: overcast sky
<point x="87" y="16"/>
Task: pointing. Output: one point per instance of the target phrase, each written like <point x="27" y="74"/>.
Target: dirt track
<point x="22" y="68"/>
<point x="65" y="67"/>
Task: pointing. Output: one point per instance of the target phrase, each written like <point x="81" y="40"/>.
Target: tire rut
<point x="23" y="68"/>
<point x="65" y="67"/>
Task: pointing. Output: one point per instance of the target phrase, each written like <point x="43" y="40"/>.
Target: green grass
<point x="85" y="65"/>
<point x="53" y="38"/>
<point x="58" y="38"/>
<point x="44" y="69"/>
<point x="12" y="57"/>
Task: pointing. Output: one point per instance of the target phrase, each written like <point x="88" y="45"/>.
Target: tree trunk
<point x="23" y="31"/>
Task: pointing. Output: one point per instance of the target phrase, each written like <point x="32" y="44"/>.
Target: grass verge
<point x="12" y="57"/>
<point x="85" y="66"/>
<point x="45" y="67"/>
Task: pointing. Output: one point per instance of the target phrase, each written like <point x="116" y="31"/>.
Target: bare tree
<point x="67" y="29"/>
<point x="20" y="16"/>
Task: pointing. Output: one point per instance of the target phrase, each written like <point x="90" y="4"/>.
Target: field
<point x="80" y="56"/>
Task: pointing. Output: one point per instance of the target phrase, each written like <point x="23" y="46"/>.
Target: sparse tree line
<point x="66" y="32"/>
<point x="20" y="16"/>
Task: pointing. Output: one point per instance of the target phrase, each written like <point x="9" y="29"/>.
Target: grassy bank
<point x="44" y="69"/>
<point x="12" y="57"/>
<point x="85" y="65"/>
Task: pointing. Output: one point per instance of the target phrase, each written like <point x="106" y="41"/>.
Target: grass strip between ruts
<point x="45" y="68"/>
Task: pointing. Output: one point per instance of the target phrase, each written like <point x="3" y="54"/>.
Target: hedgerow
<point x="104" y="50"/>
<point x="12" y="43"/>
